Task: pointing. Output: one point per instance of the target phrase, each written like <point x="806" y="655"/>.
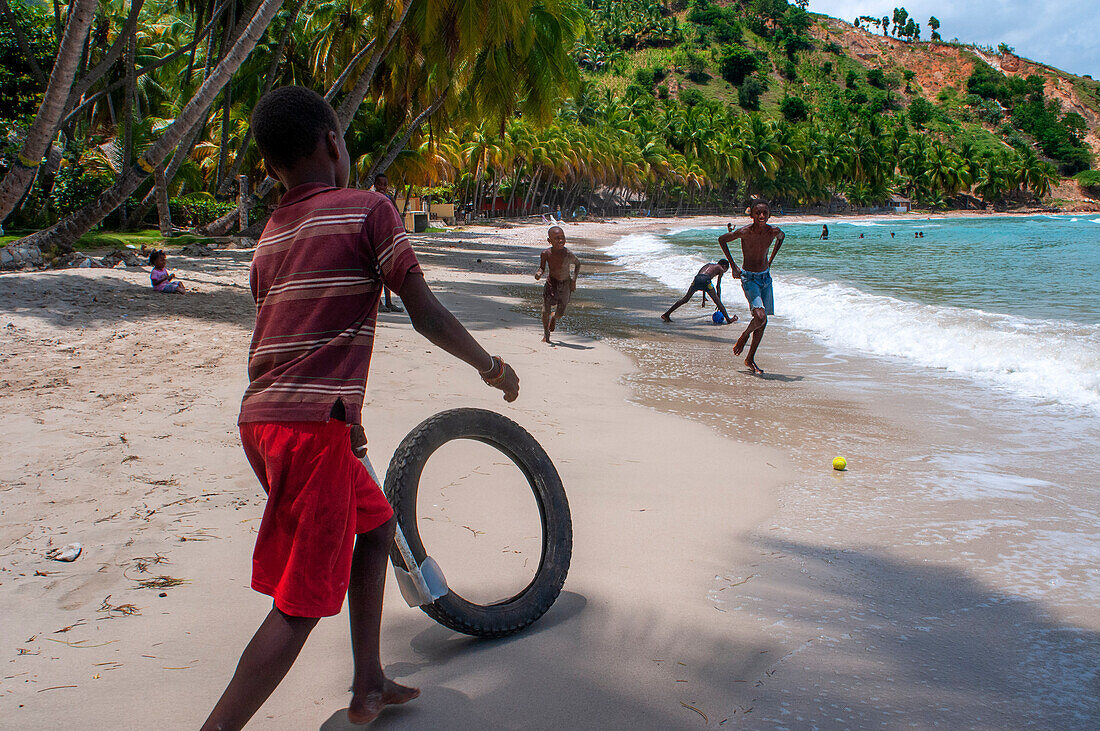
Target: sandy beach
<point x="703" y="591"/>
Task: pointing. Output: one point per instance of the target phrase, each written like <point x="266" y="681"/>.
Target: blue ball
<point x="718" y="317"/>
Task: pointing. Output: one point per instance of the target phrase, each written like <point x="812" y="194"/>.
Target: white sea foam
<point x="1040" y="359"/>
<point x="1094" y="220"/>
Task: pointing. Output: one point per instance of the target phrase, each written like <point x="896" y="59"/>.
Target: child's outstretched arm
<point x="723" y="241"/>
<point x="779" y="236"/>
<point x="436" y="323"/>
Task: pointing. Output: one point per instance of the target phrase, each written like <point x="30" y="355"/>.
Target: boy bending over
<point x="702" y="283"/>
<point x="756" y="279"/>
<point x="316" y="276"/>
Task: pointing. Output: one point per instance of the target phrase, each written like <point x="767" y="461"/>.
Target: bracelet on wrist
<point x="495" y="375"/>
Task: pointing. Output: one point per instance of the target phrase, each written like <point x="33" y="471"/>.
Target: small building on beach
<point x="901" y="204"/>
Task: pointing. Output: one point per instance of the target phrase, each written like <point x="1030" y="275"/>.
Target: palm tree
<point x="65" y="233"/>
<point x="44" y="127"/>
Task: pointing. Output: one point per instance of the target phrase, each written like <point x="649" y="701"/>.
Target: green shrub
<point x="752" y="88"/>
<point x="737" y="62"/>
<point x="74" y="187"/>
<point x="197" y="209"/>
<point x="694" y="65"/>
<point x="920" y="111"/>
<point x="794" y="109"/>
<point x="691" y="97"/>
<point x="644" y="78"/>
<point x="1089" y="180"/>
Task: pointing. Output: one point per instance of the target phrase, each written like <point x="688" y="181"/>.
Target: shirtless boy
<point x="702" y="283"/>
<point x="756" y="279"/>
<point x="560" y="285"/>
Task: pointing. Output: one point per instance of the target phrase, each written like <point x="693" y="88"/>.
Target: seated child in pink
<point x="161" y="277"/>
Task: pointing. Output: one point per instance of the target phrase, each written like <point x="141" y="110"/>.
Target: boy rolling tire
<point x="514" y="614"/>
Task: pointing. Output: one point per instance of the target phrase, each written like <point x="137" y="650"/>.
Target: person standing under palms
<point x="382" y="185"/>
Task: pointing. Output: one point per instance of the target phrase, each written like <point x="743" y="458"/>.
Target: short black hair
<point x="758" y="202"/>
<point x="154" y="255"/>
<point x="723" y="263"/>
<point x="288" y="122"/>
<point x="381" y="175"/>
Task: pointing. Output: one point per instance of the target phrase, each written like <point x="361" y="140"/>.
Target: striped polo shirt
<point x="316" y="277"/>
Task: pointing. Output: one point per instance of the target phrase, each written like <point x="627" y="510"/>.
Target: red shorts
<point x="319" y="496"/>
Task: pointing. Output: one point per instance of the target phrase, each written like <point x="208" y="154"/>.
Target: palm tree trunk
<point x="164" y="212"/>
<point x="97" y="72"/>
<point x="24" y="46"/>
<point x="42" y="131"/>
<point x="225" y="222"/>
<point x="512" y="193"/>
<point x="531" y="188"/>
<point x="128" y="115"/>
<point x="397" y="145"/>
<point x="351" y="103"/>
<point x="269" y="81"/>
<point x="65" y="233"/>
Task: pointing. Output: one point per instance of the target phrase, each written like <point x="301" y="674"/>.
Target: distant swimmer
<point x="861" y="236"/>
<point x="560" y="284"/>
<point x="891" y="234"/>
<point x="824" y="233"/>
<point x="702" y="283"/>
<point x="755" y="273"/>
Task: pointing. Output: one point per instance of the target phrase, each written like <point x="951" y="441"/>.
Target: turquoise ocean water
<point x="1012" y="303"/>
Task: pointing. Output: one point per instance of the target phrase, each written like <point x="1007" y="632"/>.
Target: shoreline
<point x="711" y="573"/>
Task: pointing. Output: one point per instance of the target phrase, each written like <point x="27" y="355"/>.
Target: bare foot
<point x="757" y="370"/>
<point x="740" y="344"/>
<point x="666" y="318"/>
<point x="365" y="708"/>
<point x="732" y="320"/>
<point x="546" y="338"/>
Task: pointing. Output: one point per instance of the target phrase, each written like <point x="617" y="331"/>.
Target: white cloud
<point x="1060" y="33"/>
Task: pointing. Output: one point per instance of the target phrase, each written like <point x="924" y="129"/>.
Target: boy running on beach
<point x="560" y="286"/>
<point x="756" y="279"/>
<point x="316" y="276"/>
<point x="702" y="283"/>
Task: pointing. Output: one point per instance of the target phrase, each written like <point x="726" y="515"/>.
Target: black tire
<point x="403" y="478"/>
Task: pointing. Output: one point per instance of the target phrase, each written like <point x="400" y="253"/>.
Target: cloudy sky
<point x="1061" y="33"/>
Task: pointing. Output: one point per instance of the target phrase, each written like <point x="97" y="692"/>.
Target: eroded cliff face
<point x="940" y="65"/>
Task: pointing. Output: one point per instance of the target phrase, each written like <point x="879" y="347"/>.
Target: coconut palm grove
<point x="129" y="115"/>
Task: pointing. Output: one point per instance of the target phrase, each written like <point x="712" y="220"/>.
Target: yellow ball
<point x="840" y="464"/>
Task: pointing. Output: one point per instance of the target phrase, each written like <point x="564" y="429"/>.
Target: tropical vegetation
<point x="121" y="113"/>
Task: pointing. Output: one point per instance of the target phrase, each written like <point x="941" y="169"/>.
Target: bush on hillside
<point x="1089" y="180"/>
<point x="693" y="65"/>
<point x="920" y="111"/>
<point x="794" y="109"/>
<point x="737" y="62"/>
<point x="691" y="97"/>
<point x="752" y="88"/>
